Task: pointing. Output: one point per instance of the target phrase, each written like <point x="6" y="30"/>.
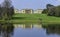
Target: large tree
<point x="57" y="11"/>
<point x="7" y="10"/>
<point x="45" y="11"/>
<point x="50" y="9"/>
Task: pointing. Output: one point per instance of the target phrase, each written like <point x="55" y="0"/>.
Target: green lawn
<point x="26" y="18"/>
<point x="35" y="18"/>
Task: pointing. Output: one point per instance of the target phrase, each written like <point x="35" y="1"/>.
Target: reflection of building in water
<point x="23" y="26"/>
<point x="27" y="26"/>
<point x="19" y="25"/>
<point x="37" y="26"/>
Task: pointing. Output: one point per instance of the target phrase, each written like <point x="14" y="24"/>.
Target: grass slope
<point x="36" y="18"/>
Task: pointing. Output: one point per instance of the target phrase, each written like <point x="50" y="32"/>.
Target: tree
<point x="48" y="6"/>
<point x="57" y="11"/>
<point x="0" y="8"/>
<point x="7" y="10"/>
<point x="1" y="13"/>
<point x="45" y="11"/>
<point x="53" y="10"/>
<point x="50" y="9"/>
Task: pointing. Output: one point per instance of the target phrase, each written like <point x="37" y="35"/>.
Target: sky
<point x="33" y="4"/>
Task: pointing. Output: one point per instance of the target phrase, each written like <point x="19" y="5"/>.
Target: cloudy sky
<point x="33" y="4"/>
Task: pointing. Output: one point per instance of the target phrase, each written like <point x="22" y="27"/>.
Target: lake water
<point x="28" y="30"/>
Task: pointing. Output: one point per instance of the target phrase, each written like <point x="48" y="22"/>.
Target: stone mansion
<point x="28" y="11"/>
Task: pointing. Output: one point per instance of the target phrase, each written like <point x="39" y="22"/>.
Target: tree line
<point x="52" y="10"/>
<point x="6" y="10"/>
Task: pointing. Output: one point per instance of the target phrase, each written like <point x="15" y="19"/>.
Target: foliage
<point x="44" y="11"/>
<point x="57" y="11"/>
<point x="6" y="10"/>
<point x="52" y="10"/>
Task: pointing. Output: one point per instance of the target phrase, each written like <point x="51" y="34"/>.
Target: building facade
<point x="17" y="11"/>
<point x="38" y="11"/>
<point x="29" y="11"/>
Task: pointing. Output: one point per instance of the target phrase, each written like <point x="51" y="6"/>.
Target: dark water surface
<point x="28" y="30"/>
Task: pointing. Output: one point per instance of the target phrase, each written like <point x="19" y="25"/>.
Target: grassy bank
<point x="34" y="18"/>
<point x="26" y="18"/>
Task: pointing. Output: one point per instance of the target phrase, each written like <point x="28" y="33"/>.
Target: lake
<point x="29" y="30"/>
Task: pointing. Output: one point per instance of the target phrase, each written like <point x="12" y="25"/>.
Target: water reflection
<point x="26" y="30"/>
<point x="6" y="30"/>
<point x="53" y="29"/>
<point x="25" y="26"/>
